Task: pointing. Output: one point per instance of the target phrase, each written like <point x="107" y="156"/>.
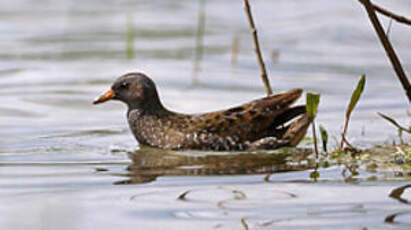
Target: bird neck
<point x="153" y="107"/>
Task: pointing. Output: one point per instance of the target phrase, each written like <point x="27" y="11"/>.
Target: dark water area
<point x="66" y="164"/>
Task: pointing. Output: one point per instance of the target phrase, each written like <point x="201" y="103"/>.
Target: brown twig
<point x="388" y="47"/>
<point x="257" y="48"/>
<point x="390" y="14"/>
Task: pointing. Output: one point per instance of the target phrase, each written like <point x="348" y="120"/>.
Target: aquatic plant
<point x="312" y="101"/>
<point x="355" y="97"/>
<point x="312" y="106"/>
<point x="324" y="138"/>
<point x="396" y="124"/>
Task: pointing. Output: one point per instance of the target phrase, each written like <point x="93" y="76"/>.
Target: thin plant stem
<point x="347" y="120"/>
<point x="392" y="15"/>
<point x="257" y="50"/>
<point x="315" y="140"/>
<point x="350" y="145"/>
<point x="388" y="47"/>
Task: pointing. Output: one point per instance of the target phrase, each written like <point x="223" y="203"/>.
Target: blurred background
<point x="57" y="55"/>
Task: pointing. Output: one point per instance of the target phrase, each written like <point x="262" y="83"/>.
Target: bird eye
<point x="124" y="85"/>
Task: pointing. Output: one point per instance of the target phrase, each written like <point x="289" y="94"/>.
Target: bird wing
<point x="248" y="121"/>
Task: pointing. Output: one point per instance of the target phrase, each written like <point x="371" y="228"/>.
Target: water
<point x="64" y="162"/>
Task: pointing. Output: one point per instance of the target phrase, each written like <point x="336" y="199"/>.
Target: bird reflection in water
<point x="149" y="163"/>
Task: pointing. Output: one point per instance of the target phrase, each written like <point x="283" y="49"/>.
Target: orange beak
<point x="108" y="95"/>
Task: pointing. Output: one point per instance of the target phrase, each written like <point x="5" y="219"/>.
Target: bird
<point x="269" y="122"/>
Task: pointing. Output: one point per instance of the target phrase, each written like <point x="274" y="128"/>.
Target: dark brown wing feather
<point x="250" y="121"/>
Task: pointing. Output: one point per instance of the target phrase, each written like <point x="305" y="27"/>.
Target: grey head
<point x="136" y="90"/>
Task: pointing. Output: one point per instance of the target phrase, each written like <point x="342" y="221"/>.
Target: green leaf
<point x="324" y="137"/>
<point x="312" y="104"/>
<point x="395" y="123"/>
<point x="355" y="96"/>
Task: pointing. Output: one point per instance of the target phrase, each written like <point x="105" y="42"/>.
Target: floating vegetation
<point x="394" y="160"/>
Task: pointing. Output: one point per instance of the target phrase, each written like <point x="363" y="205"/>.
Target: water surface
<point x="65" y="163"/>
